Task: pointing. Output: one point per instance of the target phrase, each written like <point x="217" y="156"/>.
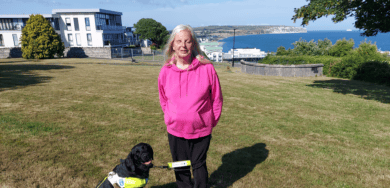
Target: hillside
<point x="220" y="32"/>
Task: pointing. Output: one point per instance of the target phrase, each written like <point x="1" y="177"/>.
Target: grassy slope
<point x="67" y="124"/>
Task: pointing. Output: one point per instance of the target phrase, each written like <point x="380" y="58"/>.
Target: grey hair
<point x="168" y="50"/>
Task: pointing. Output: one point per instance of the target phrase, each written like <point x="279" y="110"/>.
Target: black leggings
<point x="194" y="150"/>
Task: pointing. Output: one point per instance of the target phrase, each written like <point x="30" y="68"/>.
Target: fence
<point x="136" y="54"/>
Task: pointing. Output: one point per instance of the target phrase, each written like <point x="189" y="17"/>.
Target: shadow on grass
<point x="235" y="165"/>
<point x="12" y="76"/>
<point x="365" y="90"/>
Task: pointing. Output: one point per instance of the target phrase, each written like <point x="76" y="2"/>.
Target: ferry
<point x="349" y="29"/>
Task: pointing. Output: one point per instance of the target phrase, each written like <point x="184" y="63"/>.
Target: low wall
<point x="10" y="52"/>
<point x="96" y="52"/>
<point x="282" y="70"/>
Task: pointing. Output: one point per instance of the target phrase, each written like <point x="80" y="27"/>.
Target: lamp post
<point x="234" y="37"/>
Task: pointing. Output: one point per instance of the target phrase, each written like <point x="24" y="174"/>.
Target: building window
<point x="16" y="42"/>
<point x="56" y="24"/>
<point x="68" y="24"/>
<point x="89" y="39"/>
<point x="87" y="24"/>
<point x="1" y="40"/>
<point x="76" y="24"/>
<point x="70" y="39"/>
<point x="78" y="39"/>
<point x="6" y="24"/>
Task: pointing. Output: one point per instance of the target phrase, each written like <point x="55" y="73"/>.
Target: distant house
<point x="131" y="37"/>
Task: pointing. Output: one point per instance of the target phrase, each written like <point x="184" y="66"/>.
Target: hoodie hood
<point x="194" y="64"/>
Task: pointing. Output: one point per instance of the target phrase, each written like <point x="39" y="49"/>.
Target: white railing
<point x="229" y="56"/>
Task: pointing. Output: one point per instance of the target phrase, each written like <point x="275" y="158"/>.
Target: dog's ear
<point x="129" y="162"/>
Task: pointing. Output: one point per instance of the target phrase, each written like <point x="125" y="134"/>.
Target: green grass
<point x="67" y="122"/>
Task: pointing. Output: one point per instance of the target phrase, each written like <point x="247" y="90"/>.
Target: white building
<point x="245" y="54"/>
<point x="212" y="50"/>
<point x="77" y="28"/>
<point x="90" y="27"/>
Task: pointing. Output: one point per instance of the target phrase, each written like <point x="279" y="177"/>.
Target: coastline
<point x="272" y="42"/>
<point x="219" y="39"/>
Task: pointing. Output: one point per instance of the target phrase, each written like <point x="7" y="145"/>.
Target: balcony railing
<point x="114" y="42"/>
<point x="110" y="27"/>
<point x="11" y="27"/>
<point x="229" y="56"/>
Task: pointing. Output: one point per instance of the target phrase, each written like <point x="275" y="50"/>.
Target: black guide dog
<point x="136" y="165"/>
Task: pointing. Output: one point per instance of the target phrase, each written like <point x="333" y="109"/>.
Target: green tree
<point x="342" y="47"/>
<point x="302" y="47"/>
<point x="372" y="16"/>
<point x="323" y="46"/>
<point x="281" y="50"/>
<point x="152" y="30"/>
<point x="39" y="40"/>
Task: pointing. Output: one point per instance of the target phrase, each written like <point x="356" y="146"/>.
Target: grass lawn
<point x="67" y="122"/>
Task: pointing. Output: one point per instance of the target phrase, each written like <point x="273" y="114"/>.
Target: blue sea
<point x="270" y="42"/>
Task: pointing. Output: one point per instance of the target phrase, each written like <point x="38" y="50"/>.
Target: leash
<point x="178" y="164"/>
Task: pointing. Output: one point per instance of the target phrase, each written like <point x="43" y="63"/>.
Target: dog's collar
<point x="126" y="182"/>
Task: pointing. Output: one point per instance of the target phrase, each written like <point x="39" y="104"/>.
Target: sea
<point x="270" y="42"/>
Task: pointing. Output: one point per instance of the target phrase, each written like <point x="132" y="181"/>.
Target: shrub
<point x="153" y="46"/>
<point x="374" y="72"/>
<point x="369" y="51"/>
<point x="302" y="47"/>
<point x="341" y="48"/>
<point x="281" y="50"/>
<point x="349" y="64"/>
<point x="39" y="40"/>
<point x="323" y="47"/>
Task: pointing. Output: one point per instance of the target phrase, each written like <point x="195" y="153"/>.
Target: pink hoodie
<point x="191" y="99"/>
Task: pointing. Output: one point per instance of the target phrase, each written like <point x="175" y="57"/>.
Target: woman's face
<point x="182" y="44"/>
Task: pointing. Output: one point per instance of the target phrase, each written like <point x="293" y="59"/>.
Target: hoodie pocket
<point x="190" y="122"/>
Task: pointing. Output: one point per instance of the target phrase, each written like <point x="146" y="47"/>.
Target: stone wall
<point x="10" y="52"/>
<point x="282" y="70"/>
<point x="95" y="52"/>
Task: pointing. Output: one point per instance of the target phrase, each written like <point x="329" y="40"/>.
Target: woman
<point x="191" y="99"/>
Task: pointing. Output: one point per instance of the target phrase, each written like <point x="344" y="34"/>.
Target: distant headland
<point x="216" y="33"/>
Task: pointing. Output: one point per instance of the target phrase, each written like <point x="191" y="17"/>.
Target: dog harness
<point x="126" y="182"/>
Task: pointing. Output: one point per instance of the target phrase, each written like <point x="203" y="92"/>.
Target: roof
<point x="56" y="11"/>
<point x="209" y="44"/>
<point x="23" y="15"/>
<point x="208" y="48"/>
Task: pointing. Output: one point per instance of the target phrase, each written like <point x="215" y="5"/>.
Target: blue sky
<point x="193" y="12"/>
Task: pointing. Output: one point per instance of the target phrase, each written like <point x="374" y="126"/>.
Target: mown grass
<point x="67" y="122"/>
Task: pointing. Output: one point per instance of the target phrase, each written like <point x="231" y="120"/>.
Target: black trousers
<point x="194" y="150"/>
